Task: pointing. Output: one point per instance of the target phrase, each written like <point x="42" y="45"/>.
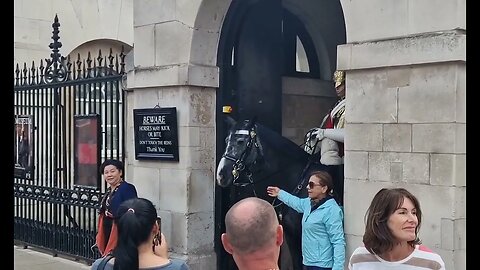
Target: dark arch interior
<point x="260" y="44"/>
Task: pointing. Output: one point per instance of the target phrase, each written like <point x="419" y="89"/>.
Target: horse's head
<point x="242" y="152"/>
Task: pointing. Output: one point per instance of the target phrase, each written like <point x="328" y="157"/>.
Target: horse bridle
<point x="239" y="163"/>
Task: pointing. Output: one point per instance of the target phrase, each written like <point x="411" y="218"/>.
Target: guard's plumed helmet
<point x="338" y="77"/>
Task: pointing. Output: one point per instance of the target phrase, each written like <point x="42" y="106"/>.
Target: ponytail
<point x="135" y="220"/>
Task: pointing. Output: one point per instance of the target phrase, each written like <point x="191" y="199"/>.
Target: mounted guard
<point x="329" y="137"/>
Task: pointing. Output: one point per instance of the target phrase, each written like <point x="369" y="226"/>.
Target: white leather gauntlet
<point x="336" y="134"/>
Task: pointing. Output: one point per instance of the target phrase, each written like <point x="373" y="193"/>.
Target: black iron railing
<point x="54" y="209"/>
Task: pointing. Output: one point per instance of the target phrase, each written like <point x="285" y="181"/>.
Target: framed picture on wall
<point x="87" y="150"/>
<point x="23" y="147"/>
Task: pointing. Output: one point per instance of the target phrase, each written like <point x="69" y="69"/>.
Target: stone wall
<point x="80" y="22"/>
<point x="405" y="115"/>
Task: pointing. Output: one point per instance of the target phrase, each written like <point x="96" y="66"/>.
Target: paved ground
<point x="36" y="259"/>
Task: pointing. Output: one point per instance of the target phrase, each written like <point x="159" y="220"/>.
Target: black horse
<point x="256" y="157"/>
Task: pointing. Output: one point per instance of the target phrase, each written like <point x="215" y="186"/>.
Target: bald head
<point x="251" y="224"/>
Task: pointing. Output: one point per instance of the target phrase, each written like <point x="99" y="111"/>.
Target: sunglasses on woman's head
<point x="313" y="184"/>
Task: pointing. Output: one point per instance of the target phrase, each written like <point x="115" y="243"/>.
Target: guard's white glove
<point x="319" y="133"/>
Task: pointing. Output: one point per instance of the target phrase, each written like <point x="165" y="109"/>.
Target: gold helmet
<point x="338" y="77"/>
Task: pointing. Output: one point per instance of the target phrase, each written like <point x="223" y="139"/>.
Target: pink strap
<point x="424" y="248"/>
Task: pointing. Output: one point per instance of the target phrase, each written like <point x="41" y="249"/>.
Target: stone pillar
<point x="163" y="75"/>
<point x="406" y="115"/>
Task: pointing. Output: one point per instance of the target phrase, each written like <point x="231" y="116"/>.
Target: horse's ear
<point x="254" y="120"/>
<point x="230" y="121"/>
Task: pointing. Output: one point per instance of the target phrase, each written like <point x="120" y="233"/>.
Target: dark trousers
<point x="315" y="268"/>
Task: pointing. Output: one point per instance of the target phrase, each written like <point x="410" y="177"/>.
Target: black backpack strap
<point x="104" y="261"/>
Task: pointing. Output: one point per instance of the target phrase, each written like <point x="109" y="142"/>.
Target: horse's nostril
<point x="220" y="178"/>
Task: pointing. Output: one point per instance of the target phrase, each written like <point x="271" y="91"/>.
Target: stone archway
<point x="325" y="24"/>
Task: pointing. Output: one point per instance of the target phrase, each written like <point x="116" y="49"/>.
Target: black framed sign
<point x="155" y="132"/>
<point x="87" y="138"/>
<point x="23" y="146"/>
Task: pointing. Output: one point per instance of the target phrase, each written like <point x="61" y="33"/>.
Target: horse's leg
<point x="285" y="260"/>
<point x="293" y="237"/>
<point x="296" y="248"/>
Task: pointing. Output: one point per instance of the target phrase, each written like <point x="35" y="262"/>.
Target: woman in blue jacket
<point x="323" y="238"/>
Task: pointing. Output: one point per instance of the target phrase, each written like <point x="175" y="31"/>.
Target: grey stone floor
<point x="36" y="259"/>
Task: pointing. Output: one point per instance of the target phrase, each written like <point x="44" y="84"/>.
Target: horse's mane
<point x="281" y="144"/>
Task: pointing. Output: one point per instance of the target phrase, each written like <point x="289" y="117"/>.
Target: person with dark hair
<point x="391" y="240"/>
<point x="141" y="244"/>
<point x="253" y="235"/>
<point x="117" y="192"/>
<point x="323" y="238"/>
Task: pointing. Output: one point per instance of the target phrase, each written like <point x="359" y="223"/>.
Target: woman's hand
<point x="273" y="191"/>
<point x="162" y="249"/>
